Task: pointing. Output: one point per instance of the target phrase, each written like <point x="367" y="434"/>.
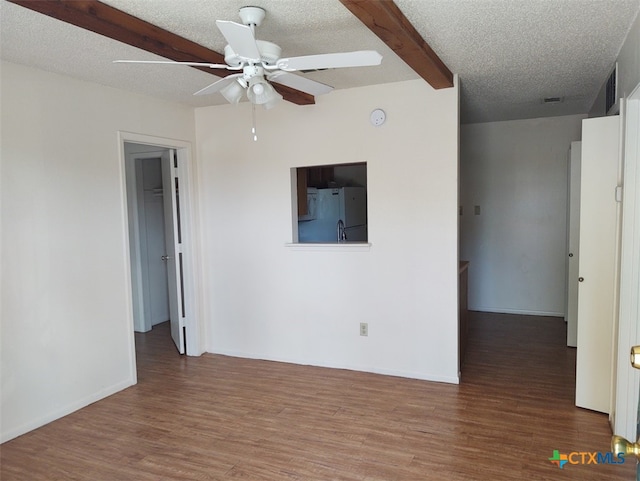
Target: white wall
<point x="270" y="301"/>
<point x="516" y="171"/>
<point x="65" y="315"/>
<point x="628" y="69"/>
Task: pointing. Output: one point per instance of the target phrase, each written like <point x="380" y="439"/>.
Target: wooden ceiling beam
<point x="384" y="18"/>
<point x="105" y="20"/>
<point x="294" y="96"/>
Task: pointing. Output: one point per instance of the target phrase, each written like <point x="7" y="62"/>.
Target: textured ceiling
<point x="509" y="54"/>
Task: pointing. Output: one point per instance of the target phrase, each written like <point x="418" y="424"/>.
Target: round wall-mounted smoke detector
<point x="378" y="117"/>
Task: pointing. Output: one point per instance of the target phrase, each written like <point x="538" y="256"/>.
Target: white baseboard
<point x="525" y="312"/>
<point x="386" y="372"/>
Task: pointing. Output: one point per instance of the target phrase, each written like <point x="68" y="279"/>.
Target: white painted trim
<point x="293" y="172"/>
<point x="64" y="411"/>
<point x="189" y="238"/>
<point x="129" y="300"/>
<point x="621" y="108"/>
<point x="134" y="244"/>
<point x="355" y="247"/>
<point x="524" y="312"/>
<point x="627" y="378"/>
<point x="351" y="367"/>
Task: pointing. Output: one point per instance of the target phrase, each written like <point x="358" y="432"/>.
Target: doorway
<point x="147" y="224"/>
<point x="156" y="173"/>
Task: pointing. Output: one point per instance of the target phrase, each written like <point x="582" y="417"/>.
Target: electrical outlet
<point x="364" y="329"/>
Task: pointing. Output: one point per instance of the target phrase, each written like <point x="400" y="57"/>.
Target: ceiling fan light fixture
<point x="273" y="101"/>
<point x="233" y="92"/>
<point x="258" y="89"/>
<point x="261" y="92"/>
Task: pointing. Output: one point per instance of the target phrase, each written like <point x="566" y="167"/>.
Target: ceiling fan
<point x="258" y="63"/>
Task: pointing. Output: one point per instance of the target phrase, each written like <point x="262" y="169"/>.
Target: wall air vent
<point x="611" y="93"/>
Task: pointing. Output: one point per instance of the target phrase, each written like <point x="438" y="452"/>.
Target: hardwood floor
<point x="219" y="418"/>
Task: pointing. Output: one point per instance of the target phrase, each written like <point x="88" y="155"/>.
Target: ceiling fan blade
<point x="299" y="83"/>
<point x="360" y="58"/>
<point x="191" y="64"/>
<point x="241" y="39"/>
<point x="219" y="85"/>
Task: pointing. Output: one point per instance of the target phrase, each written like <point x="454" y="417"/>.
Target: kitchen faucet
<point x="342" y="234"/>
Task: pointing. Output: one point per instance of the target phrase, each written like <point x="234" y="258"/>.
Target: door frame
<point x="627" y="378"/>
<point x="188" y="215"/>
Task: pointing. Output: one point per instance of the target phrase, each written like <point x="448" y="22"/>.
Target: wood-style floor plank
<point x="223" y="418"/>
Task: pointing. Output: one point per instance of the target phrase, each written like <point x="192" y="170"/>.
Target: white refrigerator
<point x="346" y="204"/>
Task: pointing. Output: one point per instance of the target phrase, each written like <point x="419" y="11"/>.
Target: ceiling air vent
<point x="611" y="92"/>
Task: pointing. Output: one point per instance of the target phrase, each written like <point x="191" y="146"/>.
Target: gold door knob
<point x="618" y="443"/>
<point x="621" y="445"/>
<point x="635" y="357"/>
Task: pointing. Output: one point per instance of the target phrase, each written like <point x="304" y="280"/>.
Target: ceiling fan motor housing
<point x="269" y="54"/>
<point x="250" y="71"/>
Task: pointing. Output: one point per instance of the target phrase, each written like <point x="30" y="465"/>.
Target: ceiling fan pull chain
<point x="253" y="128"/>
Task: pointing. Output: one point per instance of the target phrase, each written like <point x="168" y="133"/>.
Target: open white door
<point x="627" y="398"/>
<point x="597" y="263"/>
<point x="173" y="257"/>
<point x="573" y="243"/>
